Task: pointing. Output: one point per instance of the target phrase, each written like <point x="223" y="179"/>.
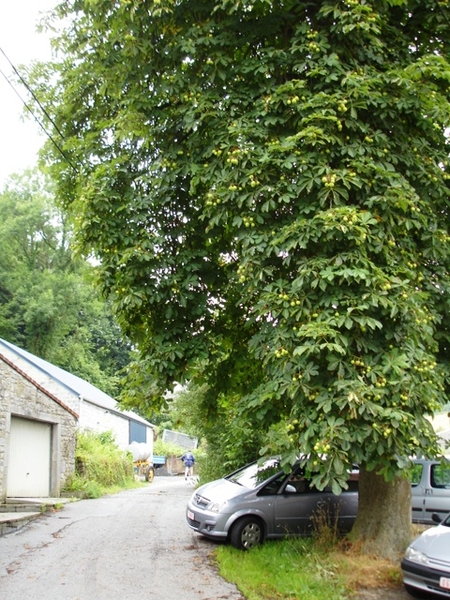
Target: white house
<point x="41" y="407"/>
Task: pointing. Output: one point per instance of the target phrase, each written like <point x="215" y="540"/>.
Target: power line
<point x="24" y="82"/>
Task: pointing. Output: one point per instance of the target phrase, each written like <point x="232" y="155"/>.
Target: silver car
<point x="259" y="502"/>
<point x="430" y="490"/>
<point x="426" y="564"/>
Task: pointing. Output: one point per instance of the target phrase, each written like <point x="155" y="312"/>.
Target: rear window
<point x="416" y="474"/>
<point x="440" y="476"/>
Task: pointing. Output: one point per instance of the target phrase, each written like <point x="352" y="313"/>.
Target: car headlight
<point x="217" y="507"/>
<point x="416" y="556"/>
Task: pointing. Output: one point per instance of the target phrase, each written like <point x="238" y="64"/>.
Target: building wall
<point x="99" y="419"/>
<point x="20" y="397"/>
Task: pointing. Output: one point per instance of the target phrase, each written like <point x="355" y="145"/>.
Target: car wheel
<point x="247" y="533"/>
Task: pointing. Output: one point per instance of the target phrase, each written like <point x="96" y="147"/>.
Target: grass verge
<point x="300" y="569"/>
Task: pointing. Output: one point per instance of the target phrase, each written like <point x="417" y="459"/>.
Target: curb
<point x="13" y="521"/>
<point x="19" y="512"/>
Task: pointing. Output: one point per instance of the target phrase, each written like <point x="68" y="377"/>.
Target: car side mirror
<point x="290" y="489"/>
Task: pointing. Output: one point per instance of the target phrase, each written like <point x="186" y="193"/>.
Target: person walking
<point x="188" y="460"/>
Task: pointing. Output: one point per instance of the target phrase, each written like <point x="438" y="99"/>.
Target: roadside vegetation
<point x="101" y="467"/>
<point x="161" y="448"/>
<point x="304" y="568"/>
<point x="319" y="568"/>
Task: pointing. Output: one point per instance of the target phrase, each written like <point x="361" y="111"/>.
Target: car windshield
<point x="253" y="475"/>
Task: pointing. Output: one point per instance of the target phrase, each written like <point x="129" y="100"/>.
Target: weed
<point x="100" y="466"/>
<point x="93" y="489"/>
<point x="325" y="528"/>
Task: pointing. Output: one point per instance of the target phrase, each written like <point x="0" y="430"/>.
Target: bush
<point x="161" y="448"/>
<point x="100" y="465"/>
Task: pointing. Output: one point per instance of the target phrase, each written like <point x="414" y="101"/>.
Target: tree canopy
<point x="49" y="304"/>
<point x="265" y="185"/>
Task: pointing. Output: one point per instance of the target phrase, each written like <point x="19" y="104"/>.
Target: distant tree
<point x="229" y="440"/>
<point x="49" y="304"/>
<point x="265" y="186"/>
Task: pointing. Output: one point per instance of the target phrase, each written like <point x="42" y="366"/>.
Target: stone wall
<point x="21" y="397"/>
<point x="66" y="395"/>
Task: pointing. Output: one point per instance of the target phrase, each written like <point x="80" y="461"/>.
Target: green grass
<point x="322" y="567"/>
<point x="291" y="569"/>
<point x="305" y="569"/>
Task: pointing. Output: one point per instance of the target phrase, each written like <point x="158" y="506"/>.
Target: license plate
<point x="191" y="516"/>
<point x="444" y="582"/>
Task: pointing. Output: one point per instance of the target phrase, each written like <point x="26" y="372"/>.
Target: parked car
<point x="259" y="502"/>
<point x="430" y="492"/>
<point x="426" y="564"/>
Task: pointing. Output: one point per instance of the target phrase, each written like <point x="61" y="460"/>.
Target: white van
<point x="430" y="490"/>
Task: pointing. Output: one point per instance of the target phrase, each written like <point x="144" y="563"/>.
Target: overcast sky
<point x="19" y="139"/>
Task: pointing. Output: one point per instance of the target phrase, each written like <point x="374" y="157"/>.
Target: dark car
<point x="259" y="502"/>
<point x="426" y="564"/>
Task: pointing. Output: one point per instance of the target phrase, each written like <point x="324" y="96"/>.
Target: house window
<point x="138" y="432"/>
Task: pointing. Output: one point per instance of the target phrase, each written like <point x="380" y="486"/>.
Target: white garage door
<point x="29" y="459"/>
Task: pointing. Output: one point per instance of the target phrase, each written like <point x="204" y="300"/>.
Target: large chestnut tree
<point x="265" y="186"/>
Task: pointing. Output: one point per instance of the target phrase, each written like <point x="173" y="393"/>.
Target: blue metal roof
<point x="79" y="387"/>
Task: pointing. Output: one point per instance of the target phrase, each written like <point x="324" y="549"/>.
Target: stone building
<point x="41" y="408"/>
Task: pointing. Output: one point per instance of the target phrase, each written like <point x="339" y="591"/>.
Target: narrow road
<point x="127" y="546"/>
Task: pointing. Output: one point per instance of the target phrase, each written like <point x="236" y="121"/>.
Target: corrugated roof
<point x="75" y="384"/>
<point x="183" y="440"/>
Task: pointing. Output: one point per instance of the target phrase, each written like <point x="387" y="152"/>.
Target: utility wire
<point x="32" y="93"/>
<point x="50" y="137"/>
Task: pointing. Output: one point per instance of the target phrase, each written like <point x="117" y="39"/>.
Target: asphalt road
<point x="127" y="546"/>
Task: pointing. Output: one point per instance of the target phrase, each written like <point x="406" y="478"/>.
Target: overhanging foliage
<point x="266" y="187"/>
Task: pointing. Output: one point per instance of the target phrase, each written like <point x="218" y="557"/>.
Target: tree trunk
<point x="383" y="524"/>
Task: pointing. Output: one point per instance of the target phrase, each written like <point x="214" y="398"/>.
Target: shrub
<point x="99" y="465"/>
<point x="161" y="448"/>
